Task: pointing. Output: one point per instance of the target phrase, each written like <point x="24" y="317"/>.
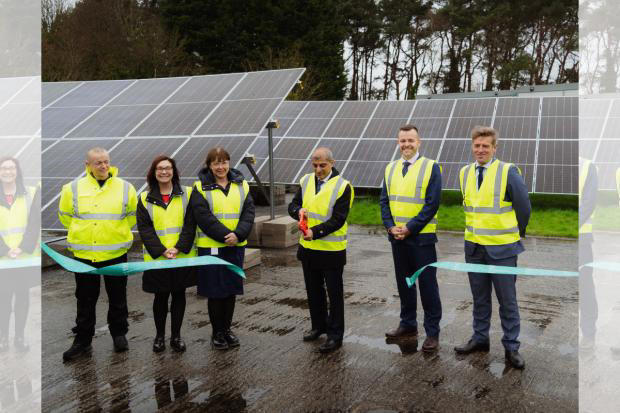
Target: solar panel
<point x="139" y="119"/>
<point x="58" y="121"/>
<point x="16" y="119"/>
<point x="532" y="131"/>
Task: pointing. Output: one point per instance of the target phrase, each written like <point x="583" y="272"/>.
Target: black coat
<point x="218" y="281"/>
<point x="324" y="260"/>
<point x="202" y="216"/>
<point x="173" y="279"/>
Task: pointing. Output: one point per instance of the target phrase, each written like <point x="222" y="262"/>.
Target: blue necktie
<point x="480" y="175"/>
<point x="405" y="167"/>
<point x="318" y="186"/>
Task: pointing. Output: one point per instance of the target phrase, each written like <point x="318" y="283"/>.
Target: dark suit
<point x="414" y="252"/>
<point x="505" y="285"/>
<point x="324" y="268"/>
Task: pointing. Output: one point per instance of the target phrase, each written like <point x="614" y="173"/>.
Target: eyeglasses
<point x="163" y="168"/>
<point x="8" y="168"/>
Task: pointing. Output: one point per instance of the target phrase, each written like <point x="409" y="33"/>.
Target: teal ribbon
<point x="128" y="268"/>
<point x="6" y="264"/>
<point x="490" y="269"/>
<point x="604" y="265"/>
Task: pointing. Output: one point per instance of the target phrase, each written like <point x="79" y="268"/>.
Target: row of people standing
<point x="497" y="210"/>
<point x="214" y="217"/>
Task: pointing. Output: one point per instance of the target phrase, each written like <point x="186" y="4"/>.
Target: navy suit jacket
<point x="516" y="192"/>
<point x="415" y="224"/>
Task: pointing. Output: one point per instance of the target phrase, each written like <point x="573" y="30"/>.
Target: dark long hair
<point x="150" y="175"/>
<point x="19" y="177"/>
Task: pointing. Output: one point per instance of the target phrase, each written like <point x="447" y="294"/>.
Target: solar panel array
<point x="538" y="134"/>
<point x="20" y="123"/>
<point x="139" y="119"/>
<point x="599" y="120"/>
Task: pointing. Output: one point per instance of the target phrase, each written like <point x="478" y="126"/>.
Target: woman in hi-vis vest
<point x="162" y="217"/>
<point x="20" y="224"/>
<point x="224" y="213"/>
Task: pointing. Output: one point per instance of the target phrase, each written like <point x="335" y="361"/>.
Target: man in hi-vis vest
<point x="324" y="199"/>
<point x="99" y="211"/>
<point x="497" y="210"/>
<point x="409" y="203"/>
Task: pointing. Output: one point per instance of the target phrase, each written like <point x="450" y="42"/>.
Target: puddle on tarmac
<point x="498" y="369"/>
<point x="397" y="346"/>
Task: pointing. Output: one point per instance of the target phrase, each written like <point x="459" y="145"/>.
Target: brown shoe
<point x="402" y="332"/>
<point x="430" y="344"/>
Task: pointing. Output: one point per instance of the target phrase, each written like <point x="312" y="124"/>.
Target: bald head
<point x="97" y="150"/>
<point x="324" y="154"/>
<point x="322" y="162"/>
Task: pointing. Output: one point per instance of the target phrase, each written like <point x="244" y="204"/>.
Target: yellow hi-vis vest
<point x="168" y="222"/>
<point x="320" y="207"/>
<point x="13" y="220"/>
<point x="406" y="194"/>
<point x="584" y="170"/>
<point x="226" y="208"/>
<point x="489" y="220"/>
<point x="99" y="219"/>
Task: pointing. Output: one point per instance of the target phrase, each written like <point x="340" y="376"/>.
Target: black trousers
<point x="221" y="311"/>
<point x="332" y="321"/>
<point x="588" y="305"/>
<point x="19" y="307"/>
<point x="87" y="287"/>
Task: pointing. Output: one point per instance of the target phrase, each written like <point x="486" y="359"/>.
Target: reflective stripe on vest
<point x="412" y="195"/>
<point x="203" y="238"/>
<point x="488" y="220"/>
<point x="109" y="247"/>
<point x="112" y="217"/>
<point x="320" y="210"/>
<point x="167" y="231"/>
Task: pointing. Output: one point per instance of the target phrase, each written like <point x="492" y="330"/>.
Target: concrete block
<point x="252" y="258"/>
<point x="254" y="239"/>
<point x="282" y="232"/>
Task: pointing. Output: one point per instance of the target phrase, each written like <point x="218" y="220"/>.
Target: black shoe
<point x="471" y="347"/>
<point x="159" y="344"/>
<point x="218" y="341"/>
<point x="21" y="344"/>
<point x="312" y="335"/>
<point x="120" y="344"/>
<point x="330" y="345"/>
<point x="515" y="359"/>
<point x="4" y="344"/>
<point x="76" y="350"/>
<point x="231" y="339"/>
<point x="177" y="344"/>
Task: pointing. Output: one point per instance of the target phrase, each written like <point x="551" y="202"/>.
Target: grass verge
<point x="550" y="222"/>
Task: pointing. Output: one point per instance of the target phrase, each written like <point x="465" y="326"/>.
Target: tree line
<point x="352" y="49"/>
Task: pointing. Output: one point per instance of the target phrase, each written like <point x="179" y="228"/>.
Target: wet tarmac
<point x="275" y="371"/>
<point x="599" y="362"/>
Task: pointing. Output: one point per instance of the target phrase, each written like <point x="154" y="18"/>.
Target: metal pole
<point x="271" y="177"/>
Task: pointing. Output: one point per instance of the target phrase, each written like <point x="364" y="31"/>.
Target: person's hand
<point x="231" y="239"/>
<point x="308" y="236"/>
<point x="302" y="212"/>
<point x="404" y="232"/>
<point x="171" y="253"/>
<point x="14" y="252"/>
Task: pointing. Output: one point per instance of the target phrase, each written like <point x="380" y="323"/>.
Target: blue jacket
<point x="415" y="224"/>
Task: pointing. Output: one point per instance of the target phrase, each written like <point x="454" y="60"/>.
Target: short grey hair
<point x="323" y="153"/>
<point x="96" y="149"/>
